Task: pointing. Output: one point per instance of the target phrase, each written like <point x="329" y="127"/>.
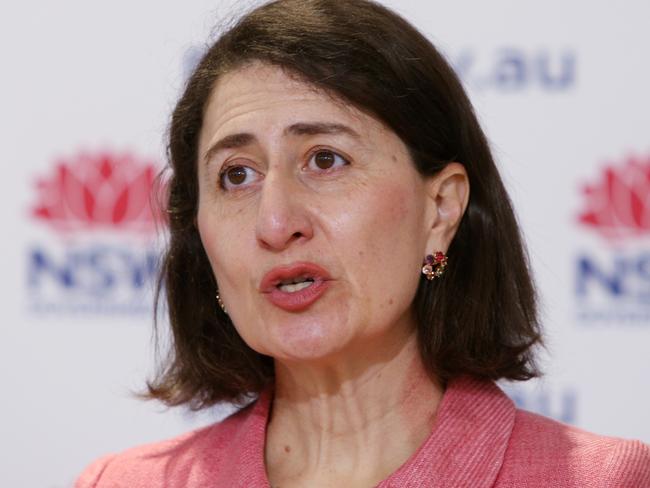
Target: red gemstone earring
<point x="434" y="265"/>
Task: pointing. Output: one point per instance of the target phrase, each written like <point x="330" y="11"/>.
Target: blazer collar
<point x="466" y="447"/>
<point x="245" y="453"/>
<point x="468" y="443"/>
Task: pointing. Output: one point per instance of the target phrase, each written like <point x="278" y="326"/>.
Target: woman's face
<point x="298" y="186"/>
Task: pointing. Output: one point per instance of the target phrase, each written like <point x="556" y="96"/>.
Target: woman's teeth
<point x="294" y="287"/>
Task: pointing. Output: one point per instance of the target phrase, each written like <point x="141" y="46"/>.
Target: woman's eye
<point x="325" y="160"/>
<point x="235" y="176"/>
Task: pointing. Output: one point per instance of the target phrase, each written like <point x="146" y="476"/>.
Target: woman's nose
<point x="283" y="216"/>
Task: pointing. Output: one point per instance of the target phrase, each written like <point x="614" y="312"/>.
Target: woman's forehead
<point x="262" y="94"/>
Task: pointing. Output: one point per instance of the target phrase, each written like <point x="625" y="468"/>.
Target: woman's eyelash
<point x="223" y="174"/>
<point x="328" y="160"/>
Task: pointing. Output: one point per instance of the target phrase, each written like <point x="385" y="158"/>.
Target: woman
<point x="343" y="249"/>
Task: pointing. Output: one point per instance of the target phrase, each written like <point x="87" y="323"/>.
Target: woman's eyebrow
<point x="242" y="139"/>
<point x="315" y="128"/>
<point x="231" y="141"/>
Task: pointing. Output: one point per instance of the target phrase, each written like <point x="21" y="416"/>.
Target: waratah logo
<point x="100" y="190"/>
<point x="619" y="204"/>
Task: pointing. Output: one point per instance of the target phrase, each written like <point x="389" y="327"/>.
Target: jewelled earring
<point x="220" y="302"/>
<point x="434" y="265"/>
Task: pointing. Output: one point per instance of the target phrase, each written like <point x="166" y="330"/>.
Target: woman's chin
<point x="306" y="339"/>
<point x="313" y="334"/>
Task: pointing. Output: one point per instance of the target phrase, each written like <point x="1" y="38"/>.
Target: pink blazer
<point x="480" y="440"/>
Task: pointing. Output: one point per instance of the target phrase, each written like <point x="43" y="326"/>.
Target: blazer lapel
<point x="244" y="467"/>
<point x="469" y="440"/>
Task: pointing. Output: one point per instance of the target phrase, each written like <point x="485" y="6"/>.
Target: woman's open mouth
<point x="295" y="287"/>
<point x="297" y="284"/>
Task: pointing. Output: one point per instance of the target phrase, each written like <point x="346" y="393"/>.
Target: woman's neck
<point x="351" y="423"/>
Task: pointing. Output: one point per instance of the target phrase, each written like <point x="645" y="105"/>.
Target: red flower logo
<point x="98" y="190"/>
<point x="619" y="205"/>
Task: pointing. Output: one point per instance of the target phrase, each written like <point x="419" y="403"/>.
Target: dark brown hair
<point x="479" y="319"/>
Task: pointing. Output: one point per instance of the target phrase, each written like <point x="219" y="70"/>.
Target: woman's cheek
<point x="394" y="240"/>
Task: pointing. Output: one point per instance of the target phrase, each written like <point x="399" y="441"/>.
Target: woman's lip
<point x="299" y="300"/>
<point x="272" y="279"/>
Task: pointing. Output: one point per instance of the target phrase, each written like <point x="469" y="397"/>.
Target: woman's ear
<point x="448" y="193"/>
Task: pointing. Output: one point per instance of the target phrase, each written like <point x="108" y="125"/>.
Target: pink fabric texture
<point x="479" y="440"/>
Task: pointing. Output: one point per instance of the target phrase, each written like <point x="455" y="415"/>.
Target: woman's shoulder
<point x="547" y="450"/>
<point x="172" y="462"/>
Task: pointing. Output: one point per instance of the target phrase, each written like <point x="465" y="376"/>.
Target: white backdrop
<point x="86" y="91"/>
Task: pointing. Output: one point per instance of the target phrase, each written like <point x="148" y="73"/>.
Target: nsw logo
<point x="96" y="248"/>
<point x="613" y="277"/>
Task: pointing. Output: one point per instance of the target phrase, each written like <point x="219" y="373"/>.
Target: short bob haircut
<point x="479" y="319"/>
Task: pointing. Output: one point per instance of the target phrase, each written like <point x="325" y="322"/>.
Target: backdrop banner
<point x="561" y="89"/>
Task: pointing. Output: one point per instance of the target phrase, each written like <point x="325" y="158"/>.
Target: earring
<point x="434" y="265"/>
<point x="220" y="302"/>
